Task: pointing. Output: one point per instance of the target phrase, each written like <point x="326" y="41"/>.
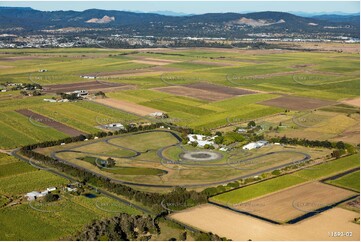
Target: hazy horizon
<point x="195" y="7"/>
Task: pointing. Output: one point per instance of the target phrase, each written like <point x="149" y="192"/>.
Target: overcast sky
<point x="194" y="6"/>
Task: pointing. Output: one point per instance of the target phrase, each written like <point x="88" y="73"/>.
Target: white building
<point x="49" y="100"/>
<point x="88" y="77"/>
<point x="31" y="196"/>
<point x="255" y="145"/>
<point x="114" y="126"/>
<point x="202" y="140"/>
<point x="81" y="92"/>
<point x="158" y="115"/>
<point x="50" y="189"/>
<point x="241" y="130"/>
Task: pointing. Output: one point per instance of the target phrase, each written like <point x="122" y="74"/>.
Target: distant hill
<point x="352" y="19"/>
<point x="229" y="25"/>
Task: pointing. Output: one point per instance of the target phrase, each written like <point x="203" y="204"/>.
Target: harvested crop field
<point x="353" y="102"/>
<point x="6" y="67"/>
<point x="49" y="122"/>
<point x="291" y="203"/>
<point x="16" y="58"/>
<point x="92" y="85"/>
<point x="127" y="106"/>
<point x="214" y="63"/>
<point x="194" y="93"/>
<point x="220" y="89"/>
<point x="205" y="91"/>
<point x="297" y="103"/>
<point x="153" y="61"/>
<point x="236" y="226"/>
<point x="149" y="70"/>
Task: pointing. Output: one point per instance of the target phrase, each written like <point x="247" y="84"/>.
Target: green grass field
<point x="52" y="221"/>
<point x="351" y="181"/>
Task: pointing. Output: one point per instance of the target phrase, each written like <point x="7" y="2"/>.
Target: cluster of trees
<point x="33" y="93"/>
<point x="123" y="227"/>
<point x="50" y="197"/>
<point x="229" y="138"/>
<point x="71" y="97"/>
<point x="110" y="162"/>
<point x="26" y="86"/>
<point x="309" y="143"/>
<point x="100" y="94"/>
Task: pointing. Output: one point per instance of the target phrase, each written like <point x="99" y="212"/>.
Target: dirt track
<point x="235" y="226"/>
<point x="127" y="106"/>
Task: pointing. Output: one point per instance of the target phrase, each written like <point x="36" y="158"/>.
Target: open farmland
<point x="49" y="122"/>
<point x="277" y="184"/>
<point x="127" y="106"/>
<point x="90" y="86"/>
<point x="291" y="203"/>
<point x="350" y="181"/>
<point x="297" y="103"/>
<point x="242" y="227"/>
<point x="299" y="94"/>
<point x="52" y="221"/>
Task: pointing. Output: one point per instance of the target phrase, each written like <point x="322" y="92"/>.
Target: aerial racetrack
<point x="158" y="159"/>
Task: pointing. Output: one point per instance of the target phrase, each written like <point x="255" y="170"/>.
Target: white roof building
<point x="255" y="145"/>
<point x="114" y="125"/>
<point x="202" y="140"/>
<point x="157" y="114"/>
<point x="32" y="195"/>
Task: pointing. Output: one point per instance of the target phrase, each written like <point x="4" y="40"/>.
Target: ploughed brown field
<point x="153" y="61"/>
<point x="17" y="58"/>
<point x="50" y="122"/>
<point x="297" y="103"/>
<point x="90" y="86"/>
<point x="212" y="63"/>
<point x="147" y="70"/>
<point x="205" y="91"/>
<point x="294" y="202"/>
<point x="220" y="89"/>
<point x="353" y="102"/>
<point x="236" y="226"/>
<point x="127" y="106"/>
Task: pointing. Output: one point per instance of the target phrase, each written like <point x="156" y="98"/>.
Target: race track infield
<point x="236" y="226"/>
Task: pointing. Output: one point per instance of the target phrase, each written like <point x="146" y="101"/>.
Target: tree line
<point x="125" y="227"/>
